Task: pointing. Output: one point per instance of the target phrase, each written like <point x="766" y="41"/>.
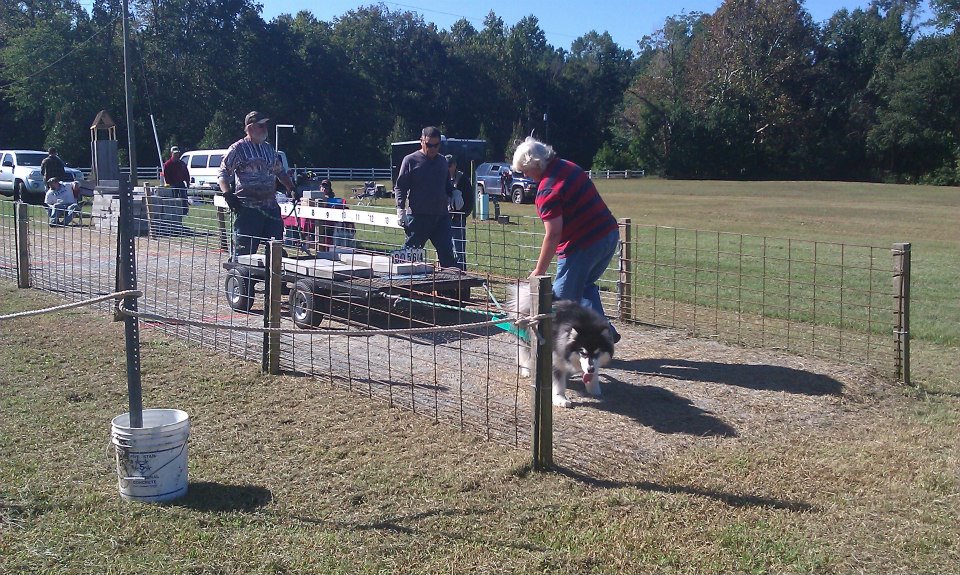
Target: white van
<point x="204" y="166"/>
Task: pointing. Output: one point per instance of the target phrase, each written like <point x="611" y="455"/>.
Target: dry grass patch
<point x="291" y="475"/>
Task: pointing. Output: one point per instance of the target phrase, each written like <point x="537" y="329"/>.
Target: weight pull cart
<point x="314" y="282"/>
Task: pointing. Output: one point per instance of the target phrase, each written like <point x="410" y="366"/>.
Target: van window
<point x="215" y="160"/>
<point x="198" y="161"/>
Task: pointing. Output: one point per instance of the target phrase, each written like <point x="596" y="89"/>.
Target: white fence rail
<point x="615" y="174"/>
<point x="354" y="174"/>
<point x="363" y="174"/>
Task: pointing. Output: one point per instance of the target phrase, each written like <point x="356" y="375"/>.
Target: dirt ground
<point x="665" y="391"/>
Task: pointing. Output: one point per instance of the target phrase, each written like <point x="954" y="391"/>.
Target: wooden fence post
<point x="22" y="216"/>
<point x="625" y="283"/>
<point x="541" y="348"/>
<point x="271" y="307"/>
<point x="901" y="295"/>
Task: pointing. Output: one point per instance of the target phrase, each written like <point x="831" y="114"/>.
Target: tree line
<point x="756" y="90"/>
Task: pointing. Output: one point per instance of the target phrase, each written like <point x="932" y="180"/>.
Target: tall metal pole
<point x="127" y="275"/>
<point x="131" y="142"/>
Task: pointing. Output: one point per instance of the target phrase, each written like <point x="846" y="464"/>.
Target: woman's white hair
<point x="532" y="153"/>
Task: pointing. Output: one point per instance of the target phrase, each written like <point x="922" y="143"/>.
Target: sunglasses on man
<point x="429" y="145"/>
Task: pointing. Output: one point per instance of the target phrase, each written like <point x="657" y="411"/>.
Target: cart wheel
<point x="239" y="289"/>
<point x="303" y="305"/>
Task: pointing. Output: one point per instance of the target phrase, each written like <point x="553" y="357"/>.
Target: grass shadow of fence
<point x="212" y="496"/>
<point x="731" y="499"/>
<point x="758" y="377"/>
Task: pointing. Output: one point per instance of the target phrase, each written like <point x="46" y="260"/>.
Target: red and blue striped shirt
<point x="567" y="191"/>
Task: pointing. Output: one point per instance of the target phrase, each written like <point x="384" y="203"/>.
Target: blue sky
<point x="562" y="20"/>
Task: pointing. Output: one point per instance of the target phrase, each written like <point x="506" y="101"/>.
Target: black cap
<point x="255" y="118"/>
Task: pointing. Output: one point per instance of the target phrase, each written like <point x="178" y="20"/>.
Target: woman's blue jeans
<point x="578" y="272"/>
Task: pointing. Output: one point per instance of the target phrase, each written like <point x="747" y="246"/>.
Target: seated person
<point x="61" y="201"/>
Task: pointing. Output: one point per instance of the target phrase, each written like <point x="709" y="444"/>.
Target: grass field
<point x="291" y="475"/>
<point x="855" y="214"/>
<point x="851" y="214"/>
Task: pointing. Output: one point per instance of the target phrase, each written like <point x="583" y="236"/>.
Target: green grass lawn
<point x="291" y="475"/>
<point x="854" y="215"/>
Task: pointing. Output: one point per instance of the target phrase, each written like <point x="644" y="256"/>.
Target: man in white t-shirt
<point x="61" y="202"/>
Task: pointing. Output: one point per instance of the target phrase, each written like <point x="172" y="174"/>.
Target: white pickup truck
<point x="204" y="167"/>
<point x="20" y="174"/>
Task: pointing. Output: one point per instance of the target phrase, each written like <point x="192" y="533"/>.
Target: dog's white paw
<point x="561" y="401"/>
<point x="524" y="371"/>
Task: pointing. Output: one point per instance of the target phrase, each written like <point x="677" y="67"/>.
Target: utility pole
<point x="131" y="142"/>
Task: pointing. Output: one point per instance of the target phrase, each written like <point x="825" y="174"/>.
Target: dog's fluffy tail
<point x="518" y="299"/>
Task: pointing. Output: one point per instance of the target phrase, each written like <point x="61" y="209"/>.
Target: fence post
<point x="271" y="307"/>
<point x="127" y="280"/>
<point x="22" y="216"/>
<point x="148" y="206"/>
<point x="222" y="228"/>
<point x="541" y="347"/>
<point x="901" y="296"/>
<point x="625" y="283"/>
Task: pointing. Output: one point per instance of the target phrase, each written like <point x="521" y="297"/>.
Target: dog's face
<point x="594" y="352"/>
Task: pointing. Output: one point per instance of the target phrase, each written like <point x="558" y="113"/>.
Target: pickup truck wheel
<point x="518" y="195"/>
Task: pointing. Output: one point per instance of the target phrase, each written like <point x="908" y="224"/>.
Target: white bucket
<point x="152" y="460"/>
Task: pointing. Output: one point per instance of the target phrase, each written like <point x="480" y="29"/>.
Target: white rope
<point x="76" y="304"/>
<point x="522" y="322"/>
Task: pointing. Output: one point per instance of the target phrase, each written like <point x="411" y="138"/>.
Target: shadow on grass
<point x="659" y="409"/>
<point x="210" y="496"/>
<point x="731" y="499"/>
<point x="760" y="377"/>
<point x="398" y="524"/>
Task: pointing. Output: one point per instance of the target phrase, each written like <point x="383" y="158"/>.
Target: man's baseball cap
<point x="255" y="118"/>
<point x="52" y="180"/>
<point x="174" y="150"/>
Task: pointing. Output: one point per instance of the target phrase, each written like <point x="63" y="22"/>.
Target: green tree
<point x="917" y="135"/>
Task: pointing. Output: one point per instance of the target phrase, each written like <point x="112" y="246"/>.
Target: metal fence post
<point x="22" y="216"/>
<point x="541" y="347"/>
<point x="127" y="280"/>
<point x="271" y="307"/>
<point x="901" y="295"/>
<point x="625" y="284"/>
<point x="222" y="229"/>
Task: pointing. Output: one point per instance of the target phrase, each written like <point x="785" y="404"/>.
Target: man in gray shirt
<point x="424" y="184"/>
<point x="253" y="166"/>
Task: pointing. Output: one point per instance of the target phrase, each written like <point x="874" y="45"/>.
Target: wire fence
<point x="340" y="271"/>
<point x="822" y="299"/>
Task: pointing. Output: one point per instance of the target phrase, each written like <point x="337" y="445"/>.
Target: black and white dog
<point x="582" y="343"/>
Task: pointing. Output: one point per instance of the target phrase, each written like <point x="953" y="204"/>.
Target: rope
<point x="444" y="306"/>
<point x="522" y="322"/>
<point x="115" y="295"/>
